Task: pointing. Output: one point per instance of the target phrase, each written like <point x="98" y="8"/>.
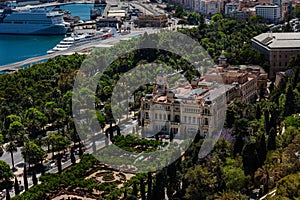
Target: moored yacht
<point x="69" y="42"/>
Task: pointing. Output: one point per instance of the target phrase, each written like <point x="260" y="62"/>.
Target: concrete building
<point x="108" y="22"/>
<point x="210" y="7"/>
<point x="192" y="5"/>
<point x="279" y="48"/>
<point x="152" y="21"/>
<point x="271" y="13"/>
<point x="242" y="82"/>
<point x="235" y="10"/>
<point x="231" y="8"/>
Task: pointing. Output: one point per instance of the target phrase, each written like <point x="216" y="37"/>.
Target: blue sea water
<point x="81" y="10"/>
<point x="14" y="48"/>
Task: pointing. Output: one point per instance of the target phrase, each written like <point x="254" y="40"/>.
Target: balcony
<point x="206" y="113"/>
<point x="175" y="123"/>
<point x="146" y="107"/>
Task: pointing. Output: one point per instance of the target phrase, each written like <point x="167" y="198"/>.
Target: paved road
<point x="17" y="157"/>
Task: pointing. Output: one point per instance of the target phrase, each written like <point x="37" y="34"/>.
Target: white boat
<point x="76" y="40"/>
<point x="33" y="22"/>
<point x="68" y="42"/>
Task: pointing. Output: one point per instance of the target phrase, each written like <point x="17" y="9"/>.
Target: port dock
<point x="44" y="5"/>
<point x="93" y="44"/>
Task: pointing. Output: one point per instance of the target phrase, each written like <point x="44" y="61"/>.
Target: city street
<point x="19" y="166"/>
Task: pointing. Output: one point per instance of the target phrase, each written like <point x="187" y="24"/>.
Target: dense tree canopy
<point x="253" y="148"/>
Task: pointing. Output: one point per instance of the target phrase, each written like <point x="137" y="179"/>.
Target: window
<point x="206" y="121"/>
<point x="147" y="115"/>
<point x="206" y="111"/>
<point x="199" y="120"/>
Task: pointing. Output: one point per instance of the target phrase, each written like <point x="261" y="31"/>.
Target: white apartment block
<point x="269" y="12"/>
<point x="192" y="5"/>
<point x="210" y="7"/>
<point x="231" y="8"/>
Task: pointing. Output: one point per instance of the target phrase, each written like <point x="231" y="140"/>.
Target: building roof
<point x="267" y="6"/>
<point x="278" y="40"/>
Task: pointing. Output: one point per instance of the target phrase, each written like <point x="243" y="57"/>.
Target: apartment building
<point x="152" y="21"/>
<point x="279" y="48"/>
<point x="271" y="13"/>
<point x="231" y="8"/>
<point x="210" y="7"/>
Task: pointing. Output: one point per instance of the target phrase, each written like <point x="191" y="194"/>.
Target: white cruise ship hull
<point x="33" y="29"/>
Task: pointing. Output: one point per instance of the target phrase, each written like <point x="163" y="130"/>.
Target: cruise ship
<point x="33" y="22"/>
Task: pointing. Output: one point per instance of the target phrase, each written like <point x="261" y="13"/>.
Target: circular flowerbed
<point x="108" y="177"/>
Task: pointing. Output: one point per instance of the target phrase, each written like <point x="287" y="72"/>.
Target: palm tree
<point x="263" y="176"/>
<point x="32" y="154"/>
<point x="11" y="147"/>
<point x="60" y="143"/>
<point x="16" y="131"/>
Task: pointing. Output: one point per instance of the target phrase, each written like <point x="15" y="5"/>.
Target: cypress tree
<point x="261" y="148"/>
<point x="134" y="189"/>
<point x="59" y="167"/>
<point x="159" y="187"/>
<point x="290" y="101"/>
<point x="34" y="178"/>
<point x="272" y="139"/>
<point x="16" y="186"/>
<point x="250" y="158"/>
<point x="258" y="112"/>
<point x="142" y="188"/>
<point x="267" y="121"/>
<point x="7" y="194"/>
<point x="73" y="159"/>
<point x="149" y="194"/>
<point x="25" y="178"/>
